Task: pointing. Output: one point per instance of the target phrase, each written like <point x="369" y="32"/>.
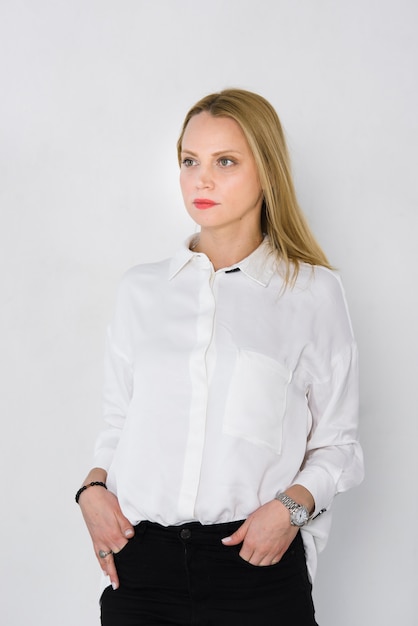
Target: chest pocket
<point x="256" y="401"/>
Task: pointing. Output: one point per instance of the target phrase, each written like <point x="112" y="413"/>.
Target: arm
<point x="333" y="463"/>
<point x="333" y="460"/>
<point x="108" y="527"/>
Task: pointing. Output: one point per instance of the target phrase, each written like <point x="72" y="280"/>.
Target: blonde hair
<point x="281" y="217"/>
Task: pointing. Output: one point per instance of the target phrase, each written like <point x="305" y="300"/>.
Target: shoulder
<point x="320" y="284"/>
<point x="145" y="270"/>
<point x="324" y="296"/>
<point x="141" y="282"/>
<point x="140" y="274"/>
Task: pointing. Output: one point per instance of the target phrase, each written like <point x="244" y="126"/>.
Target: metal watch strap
<point x="293" y="507"/>
<point x="287" y="501"/>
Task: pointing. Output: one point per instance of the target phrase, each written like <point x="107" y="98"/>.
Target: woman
<point x="230" y="396"/>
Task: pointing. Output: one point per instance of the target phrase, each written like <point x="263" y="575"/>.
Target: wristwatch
<point x="299" y="514"/>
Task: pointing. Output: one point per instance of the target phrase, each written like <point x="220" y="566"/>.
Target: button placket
<point x="198" y="406"/>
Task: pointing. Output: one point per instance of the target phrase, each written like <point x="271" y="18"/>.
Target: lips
<point x="203" y="203"/>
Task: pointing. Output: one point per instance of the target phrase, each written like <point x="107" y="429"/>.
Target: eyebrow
<point x="217" y="153"/>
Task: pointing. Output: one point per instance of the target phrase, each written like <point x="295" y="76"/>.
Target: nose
<point x="204" y="178"/>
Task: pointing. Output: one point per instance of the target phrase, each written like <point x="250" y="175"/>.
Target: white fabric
<point x="221" y="389"/>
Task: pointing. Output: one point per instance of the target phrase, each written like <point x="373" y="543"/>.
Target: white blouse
<point x="223" y="388"/>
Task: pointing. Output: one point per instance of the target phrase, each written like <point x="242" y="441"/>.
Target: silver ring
<point x="103" y="554"/>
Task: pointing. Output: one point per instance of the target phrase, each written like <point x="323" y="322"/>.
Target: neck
<point x="224" y="250"/>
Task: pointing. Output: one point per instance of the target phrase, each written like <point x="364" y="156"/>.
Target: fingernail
<point x="226" y="539"/>
<point x="129" y="532"/>
<point x="114" y="586"/>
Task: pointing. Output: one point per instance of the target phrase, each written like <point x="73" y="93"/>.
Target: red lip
<point x="203" y="203"/>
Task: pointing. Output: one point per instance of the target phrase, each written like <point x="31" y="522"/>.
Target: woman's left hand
<point x="265" y="535"/>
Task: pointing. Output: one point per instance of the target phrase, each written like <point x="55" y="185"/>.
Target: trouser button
<point x="185" y="533"/>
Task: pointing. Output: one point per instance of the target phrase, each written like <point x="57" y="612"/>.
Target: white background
<point x="93" y="93"/>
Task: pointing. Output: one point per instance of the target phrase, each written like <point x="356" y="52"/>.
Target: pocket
<point x="262" y="568"/>
<point x="132" y="543"/>
<point x="128" y="560"/>
<point x="256" y="401"/>
<point x="128" y="544"/>
<point x="293" y="560"/>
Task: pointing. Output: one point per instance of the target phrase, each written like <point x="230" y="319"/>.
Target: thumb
<point x="236" y="537"/>
<point x="126" y="527"/>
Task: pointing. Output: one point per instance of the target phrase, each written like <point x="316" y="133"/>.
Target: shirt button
<point x="185" y="533"/>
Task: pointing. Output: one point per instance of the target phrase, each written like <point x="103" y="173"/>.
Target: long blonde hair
<point x="281" y="216"/>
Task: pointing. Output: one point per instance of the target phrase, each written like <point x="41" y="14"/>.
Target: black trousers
<point x="184" y="575"/>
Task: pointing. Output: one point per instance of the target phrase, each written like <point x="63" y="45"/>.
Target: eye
<point x="225" y="162"/>
<point x="188" y="162"/>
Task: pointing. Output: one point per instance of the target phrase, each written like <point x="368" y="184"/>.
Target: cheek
<point x="185" y="183"/>
<point x="253" y="186"/>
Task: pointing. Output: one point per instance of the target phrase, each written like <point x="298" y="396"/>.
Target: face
<point x="218" y="176"/>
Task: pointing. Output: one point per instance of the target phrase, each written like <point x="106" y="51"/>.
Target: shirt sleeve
<point x="118" y="378"/>
<point x="333" y="461"/>
<point x="116" y="398"/>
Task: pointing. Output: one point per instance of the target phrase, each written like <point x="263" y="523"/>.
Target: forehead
<point x="207" y="131"/>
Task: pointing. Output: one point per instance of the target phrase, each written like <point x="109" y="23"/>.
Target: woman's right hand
<point x="108" y="527"/>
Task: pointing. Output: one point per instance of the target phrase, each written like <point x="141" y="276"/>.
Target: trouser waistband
<point x="209" y="533"/>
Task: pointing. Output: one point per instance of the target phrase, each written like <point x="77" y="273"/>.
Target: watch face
<point x="300" y="516"/>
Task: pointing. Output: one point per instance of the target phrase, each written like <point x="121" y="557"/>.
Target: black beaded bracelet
<point x="95" y="483"/>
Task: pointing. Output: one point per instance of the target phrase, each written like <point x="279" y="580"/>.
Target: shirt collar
<point x="259" y="266"/>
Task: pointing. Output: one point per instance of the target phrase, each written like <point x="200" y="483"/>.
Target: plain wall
<point x="93" y="93"/>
